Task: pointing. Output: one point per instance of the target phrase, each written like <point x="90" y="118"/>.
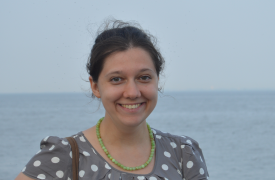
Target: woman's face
<point x="127" y="86"/>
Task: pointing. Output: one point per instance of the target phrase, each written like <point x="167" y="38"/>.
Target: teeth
<point x="131" y="106"/>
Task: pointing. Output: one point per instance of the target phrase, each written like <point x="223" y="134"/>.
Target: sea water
<point x="235" y="130"/>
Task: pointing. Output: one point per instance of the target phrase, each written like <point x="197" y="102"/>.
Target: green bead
<point x="128" y="168"/>
<point x="142" y="166"/>
<point x="113" y="160"/>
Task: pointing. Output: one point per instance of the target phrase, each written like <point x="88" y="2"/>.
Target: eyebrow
<point x="120" y="72"/>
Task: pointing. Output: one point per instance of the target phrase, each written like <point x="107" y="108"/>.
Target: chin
<point x="132" y="121"/>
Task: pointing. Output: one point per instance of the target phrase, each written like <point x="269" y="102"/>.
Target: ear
<point x="94" y="87"/>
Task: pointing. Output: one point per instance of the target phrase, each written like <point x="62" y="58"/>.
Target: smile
<point x="132" y="106"/>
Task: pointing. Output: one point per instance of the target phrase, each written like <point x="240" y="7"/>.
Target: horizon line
<point x="164" y="91"/>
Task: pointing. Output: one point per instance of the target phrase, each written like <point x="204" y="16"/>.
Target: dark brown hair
<point x="120" y="36"/>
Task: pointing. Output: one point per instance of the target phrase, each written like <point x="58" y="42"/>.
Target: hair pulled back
<point x="121" y="36"/>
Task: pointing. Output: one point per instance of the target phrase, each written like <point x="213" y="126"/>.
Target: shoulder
<point x="54" y="142"/>
<point x="175" y="140"/>
<point x="186" y="152"/>
<point x="53" y="160"/>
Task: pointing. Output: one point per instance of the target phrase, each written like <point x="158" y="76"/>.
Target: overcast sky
<point x="208" y="45"/>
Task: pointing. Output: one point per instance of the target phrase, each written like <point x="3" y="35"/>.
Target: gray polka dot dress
<point x="177" y="158"/>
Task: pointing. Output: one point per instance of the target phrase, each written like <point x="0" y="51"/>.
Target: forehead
<point x="129" y="61"/>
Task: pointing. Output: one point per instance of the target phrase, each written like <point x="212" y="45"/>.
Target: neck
<point x="122" y="135"/>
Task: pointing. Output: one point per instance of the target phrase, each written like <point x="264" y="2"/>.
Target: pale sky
<point x="208" y="45"/>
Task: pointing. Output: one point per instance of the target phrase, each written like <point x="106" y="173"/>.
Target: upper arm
<point x="52" y="161"/>
<point x="22" y="176"/>
<point x="193" y="162"/>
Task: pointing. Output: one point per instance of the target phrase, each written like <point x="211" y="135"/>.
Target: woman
<point x="124" y="68"/>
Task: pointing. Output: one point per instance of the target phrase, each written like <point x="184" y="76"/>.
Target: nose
<point x="131" y="90"/>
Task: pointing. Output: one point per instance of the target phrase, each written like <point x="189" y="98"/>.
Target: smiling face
<point x="127" y="86"/>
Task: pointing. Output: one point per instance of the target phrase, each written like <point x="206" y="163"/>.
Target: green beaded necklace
<point x="153" y="146"/>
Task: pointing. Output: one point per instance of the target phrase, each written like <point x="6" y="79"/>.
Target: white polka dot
<point x="201" y="171"/>
<point x="82" y="139"/>
<point x="153" y="178"/>
<point x="69" y="178"/>
<point x="164" y="167"/>
<point x="166" y="178"/>
<point x="23" y="169"/>
<point x="55" y="160"/>
<point x="182" y="146"/>
<point x="158" y="136"/>
<point x="81" y="173"/>
<point x="65" y="142"/>
<point x="180" y="164"/>
<point x="183" y="136"/>
<point x="86" y="153"/>
<point x="154" y="131"/>
<point x="107" y="166"/>
<point x="201" y="159"/>
<point x="183" y="179"/>
<point x="71" y="154"/>
<point x="173" y="144"/>
<point x="37" y="163"/>
<point x="93" y="150"/>
<point x="141" y="178"/>
<point x="38" y="151"/>
<point x="52" y="147"/>
<point x="94" y="168"/>
<point x="179" y="171"/>
<point x="188" y="141"/>
<point x="75" y="136"/>
<point x="46" y="138"/>
<point x="41" y="176"/>
<point x="60" y="174"/>
<point x="167" y="154"/>
<point x="189" y="164"/>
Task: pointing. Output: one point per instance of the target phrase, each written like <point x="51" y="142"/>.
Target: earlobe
<point x="94" y="87"/>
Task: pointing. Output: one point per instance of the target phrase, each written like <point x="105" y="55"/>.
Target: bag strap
<point x="75" y="156"/>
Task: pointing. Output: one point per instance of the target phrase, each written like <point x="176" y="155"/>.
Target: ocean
<point x="235" y="130"/>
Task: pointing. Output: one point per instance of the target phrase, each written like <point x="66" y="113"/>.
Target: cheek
<point x="150" y="92"/>
<point x="110" y="95"/>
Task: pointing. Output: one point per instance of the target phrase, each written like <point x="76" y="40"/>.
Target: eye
<point x="116" y="79"/>
<point x="145" y="78"/>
